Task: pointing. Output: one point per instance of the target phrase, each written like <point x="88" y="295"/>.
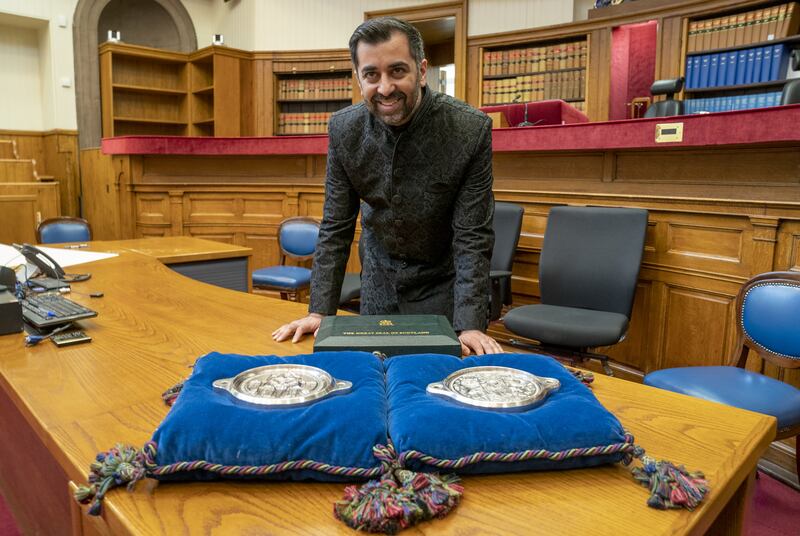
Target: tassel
<point x="583" y="376"/>
<point x="400" y="499"/>
<point x="120" y="465"/>
<point x="671" y="486"/>
<point x="170" y="395"/>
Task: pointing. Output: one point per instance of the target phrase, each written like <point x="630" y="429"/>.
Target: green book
<point x="389" y="335"/>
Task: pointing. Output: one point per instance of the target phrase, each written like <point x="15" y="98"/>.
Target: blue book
<point x="751" y="63"/>
<point x="752" y="101"/>
<point x="727" y="104"/>
<point x="705" y="62"/>
<point x="722" y="73"/>
<point x="713" y="70"/>
<point x="779" y="61"/>
<point x="695" y="72"/>
<point x="761" y="101"/>
<point x="759" y="53"/>
<point x="689" y="72"/>
<point x="766" y="64"/>
<point x="741" y="62"/>
<point x="730" y="79"/>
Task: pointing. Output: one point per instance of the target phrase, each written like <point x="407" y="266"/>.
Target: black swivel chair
<point x="670" y="106"/>
<point x="588" y="271"/>
<point x="791" y="92"/>
<point x="507" y="224"/>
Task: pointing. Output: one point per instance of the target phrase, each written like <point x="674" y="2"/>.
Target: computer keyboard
<point x="46" y="310"/>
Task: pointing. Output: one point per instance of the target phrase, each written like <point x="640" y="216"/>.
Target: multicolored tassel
<point x="583" y="376"/>
<point x="170" y="395"/>
<point x="400" y="499"/>
<point x="120" y="465"/>
<point x="671" y="486"/>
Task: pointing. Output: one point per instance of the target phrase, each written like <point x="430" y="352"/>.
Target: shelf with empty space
<point x="148" y="120"/>
<point x="148" y="89"/>
<point x="203" y="90"/>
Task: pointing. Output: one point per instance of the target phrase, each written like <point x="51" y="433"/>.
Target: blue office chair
<point x="297" y="239"/>
<point x="768" y="322"/>
<point x="63" y="229"/>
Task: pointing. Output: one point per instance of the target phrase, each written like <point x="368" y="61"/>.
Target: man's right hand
<point x="307" y="324"/>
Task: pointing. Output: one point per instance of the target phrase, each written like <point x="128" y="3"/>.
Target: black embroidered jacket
<point x="425" y="194"/>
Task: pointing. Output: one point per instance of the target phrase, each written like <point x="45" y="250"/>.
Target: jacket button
<point x="404" y="264"/>
<point x="401" y="240"/>
<point x="398" y="223"/>
<point x="396" y="199"/>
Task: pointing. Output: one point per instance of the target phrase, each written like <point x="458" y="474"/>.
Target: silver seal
<point x="498" y="388"/>
<point x="282" y="385"/>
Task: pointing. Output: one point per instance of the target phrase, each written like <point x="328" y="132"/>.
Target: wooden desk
<point x="63" y="405"/>
<point x="209" y="261"/>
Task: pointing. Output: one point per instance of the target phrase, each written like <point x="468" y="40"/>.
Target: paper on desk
<point x="65" y="257"/>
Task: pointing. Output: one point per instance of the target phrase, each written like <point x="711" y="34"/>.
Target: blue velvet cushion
<point x="423" y="424"/>
<point x="209" y="425"/>
<point x="282" y="276"/>
<point x="735" y="387"/>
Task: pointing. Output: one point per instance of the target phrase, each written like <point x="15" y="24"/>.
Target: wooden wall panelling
<point x="247" y="97"/>
<point x="227" y="96"/>
<point x="12" y="170"/>
<point x="263" y="97"/>
<point x="18" y="218"/>
<point x="23" y="206"/>
<point x="100" y="194"/>
<point x="61" y="161"/>
<point x="55" y="153"/>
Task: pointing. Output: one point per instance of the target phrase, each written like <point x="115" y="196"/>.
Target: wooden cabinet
<point x="151" y="91"/>
<point x="534" y="71"/>
<point x="308" y="90"/>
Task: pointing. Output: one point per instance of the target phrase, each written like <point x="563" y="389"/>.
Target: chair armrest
<point x="497" y="274"/>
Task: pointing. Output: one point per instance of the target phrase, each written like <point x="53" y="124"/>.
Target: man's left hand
<point x="477" y="342"/>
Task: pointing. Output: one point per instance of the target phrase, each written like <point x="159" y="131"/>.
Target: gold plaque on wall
<point x="669" y="132"/>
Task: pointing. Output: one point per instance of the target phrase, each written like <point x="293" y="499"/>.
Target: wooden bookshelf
<point x="308" y="89"/>
<point x="738" y="53"/>
<point x="151" y="91"/>
<point x="143" y="91"/>
<point x="535" y="70"/>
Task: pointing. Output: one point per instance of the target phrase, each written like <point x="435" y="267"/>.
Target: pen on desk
<point x="76" y="246"/>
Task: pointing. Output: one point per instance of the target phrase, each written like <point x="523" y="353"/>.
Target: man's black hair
<point x="380" y="30"/>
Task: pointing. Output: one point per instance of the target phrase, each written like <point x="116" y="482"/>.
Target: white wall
<point x="20" y="79"/>
<point x="49" y="105"/>
<point x="33" y="46"/>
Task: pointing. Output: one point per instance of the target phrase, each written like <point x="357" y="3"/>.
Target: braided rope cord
<point x="627" y="447"/>
<point x="150" y="450"/>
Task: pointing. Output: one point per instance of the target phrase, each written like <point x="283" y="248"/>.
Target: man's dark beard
<point x="406" y="108"/>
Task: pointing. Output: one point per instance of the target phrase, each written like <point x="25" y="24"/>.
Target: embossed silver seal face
<point x="500" y="388"/>
<point x="282" y="385"/>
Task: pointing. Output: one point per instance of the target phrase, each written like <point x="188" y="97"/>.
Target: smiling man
<point x="419" y="165"/>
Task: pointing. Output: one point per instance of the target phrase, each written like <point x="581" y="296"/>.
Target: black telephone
<point x="43" y="261"/>
<point x="48" y="266"/>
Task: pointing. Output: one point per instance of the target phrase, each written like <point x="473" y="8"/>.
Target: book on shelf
<point x="754" y="26"/>
<point x="733" y="102"/>
<point x="738" y="67"/>
<point x="525" y="60"/>
<point x="566" y="85"/>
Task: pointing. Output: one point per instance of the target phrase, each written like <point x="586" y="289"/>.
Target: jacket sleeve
<point x="335" y="235"/>
<point x="473" y="237"/>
